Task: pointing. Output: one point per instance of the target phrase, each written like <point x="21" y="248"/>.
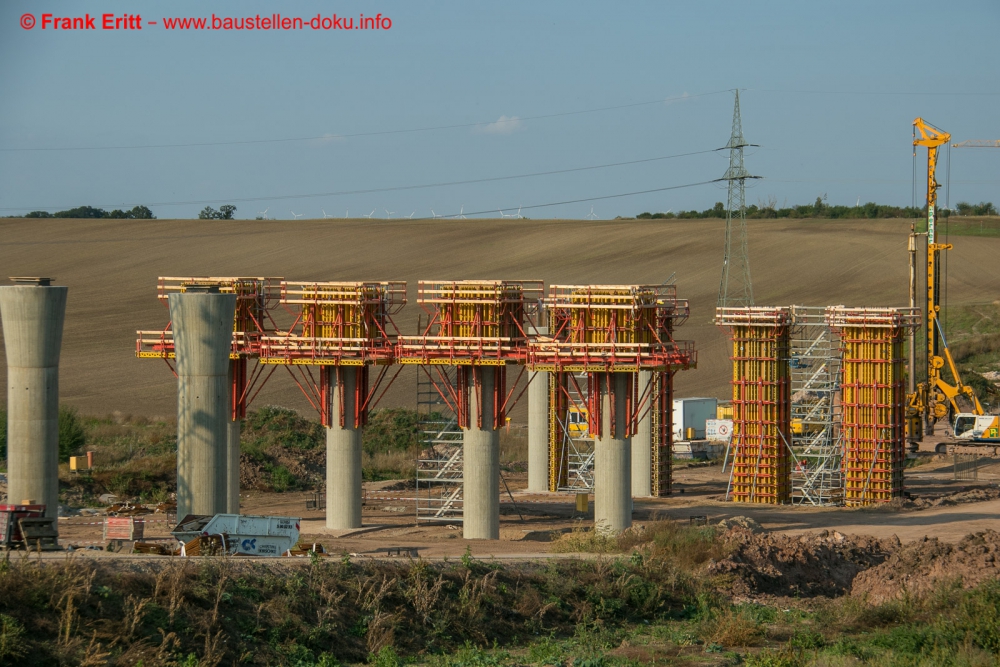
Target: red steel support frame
<point x="338" y="325"/>
<point x="472" y="324"/>
<point x="604" y="329"/>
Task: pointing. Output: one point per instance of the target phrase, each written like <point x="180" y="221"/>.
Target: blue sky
<point x="829" y="92"/>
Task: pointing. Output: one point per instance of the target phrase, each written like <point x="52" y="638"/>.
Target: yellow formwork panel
<point x="761" y="468"/>
<point x="873" y="405"/>
<point x="558" y="451"/>
<point x="612" y="315"/>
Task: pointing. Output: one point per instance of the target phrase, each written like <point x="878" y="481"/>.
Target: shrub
<point x="392" y="429"/>
<point x="273" y="425"/>
<point x="72" y="437"/>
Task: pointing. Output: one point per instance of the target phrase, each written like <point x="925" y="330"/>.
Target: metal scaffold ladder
<point x="816" y="446"/>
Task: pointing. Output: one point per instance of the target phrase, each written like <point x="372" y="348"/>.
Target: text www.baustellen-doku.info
<point x="59" y="22"/>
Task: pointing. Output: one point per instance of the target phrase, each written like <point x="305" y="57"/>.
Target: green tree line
<point x="820" y="209"/>
<point x="135" y="213"/>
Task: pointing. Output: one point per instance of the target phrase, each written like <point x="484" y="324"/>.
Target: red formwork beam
<point x="613" y="328"/>
<point x="473" y="325"/>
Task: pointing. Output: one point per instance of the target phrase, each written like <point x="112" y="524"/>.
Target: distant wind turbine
<point x="518" y="214"/>
<point x="592" y="215"/>
<point x="263" y="213"/>
<point x="296" y="216"/>
<point x="325" y="216"/>
<point x="462" y="212"/>
<point x="388" y="213"/>
<point x="369" y="216"/>
<point x="410" y="216"/>
<point x="434" y="215"/>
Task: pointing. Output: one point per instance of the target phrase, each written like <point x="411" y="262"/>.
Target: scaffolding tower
<point x="467" y="326"/>
<point x="439" y="480"/>
<point x="816" y="445"/>
<point x="874" y="400"/>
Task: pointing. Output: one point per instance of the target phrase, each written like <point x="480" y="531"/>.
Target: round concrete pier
<point x="642" y="443"/>
<point x="343" y="455"/>
<point x="203" y="333"/>
<point x="481" y="465"/>
<point x="538" y="432"/>
<point x="612" y="460"/>
<point x="32" y="318"/>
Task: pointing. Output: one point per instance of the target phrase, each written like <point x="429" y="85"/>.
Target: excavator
<point x="933" y="398"/>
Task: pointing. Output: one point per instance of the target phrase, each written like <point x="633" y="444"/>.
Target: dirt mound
<point x="821" y="564"/>
<point x="921" y="565"/>
<point x="979" y="495"/>
<point x="741" y="522"/>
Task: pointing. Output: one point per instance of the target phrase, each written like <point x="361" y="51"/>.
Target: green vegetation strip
<point x="650" y="603"/>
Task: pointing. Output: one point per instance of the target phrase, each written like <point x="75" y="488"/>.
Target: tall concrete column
<point x="538" y="432"/>
<point x="32" y="316"/>
<point x="203" y="334"/>
<point x="642" y="443"/>
<point x="612" y="464"/>
<point x="481" y="466"/>
<point x="343" y="455"/>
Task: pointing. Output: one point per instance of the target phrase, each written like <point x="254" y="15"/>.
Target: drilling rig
<point x="931" y="399"/>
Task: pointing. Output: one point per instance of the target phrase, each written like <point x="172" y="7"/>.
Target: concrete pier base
<point x="481" y="467"/>
<point x="203" y="332"/>
<point x="343" y="455"/>
<point x="642" y="443"/>
<point x="538" y="432"/>
<point x="32" y="318"/>
<point x="612" y="460"/>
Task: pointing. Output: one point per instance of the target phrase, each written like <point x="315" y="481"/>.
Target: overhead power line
<point x="327" y="137"/>
<point x="585" y="199"/>
<point x="388" y="189"/>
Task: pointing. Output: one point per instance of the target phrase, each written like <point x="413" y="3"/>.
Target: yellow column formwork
<point x="761" y="468"/>
<point x="873" y="400"/>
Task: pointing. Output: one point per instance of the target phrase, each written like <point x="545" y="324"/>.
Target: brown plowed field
<point x="111" y="268"/>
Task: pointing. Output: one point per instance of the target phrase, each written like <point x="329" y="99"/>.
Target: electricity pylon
<point x="736" y="288"/>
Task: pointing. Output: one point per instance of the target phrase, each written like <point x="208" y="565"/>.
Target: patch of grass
<point x="685" y="545"/>
<point x="388" y="465"/>
<point x="961" y="225"/>
<point x="136" y="457"/>
<point x="514" y="449"/>
<point x="586" y="540"/>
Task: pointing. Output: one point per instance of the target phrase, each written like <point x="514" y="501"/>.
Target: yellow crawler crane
<point x="931" y="398"/>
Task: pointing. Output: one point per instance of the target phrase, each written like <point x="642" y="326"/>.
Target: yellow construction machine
<point x="930" y="400"/>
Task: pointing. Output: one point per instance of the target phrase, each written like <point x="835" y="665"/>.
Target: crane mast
<point x="929" y="400"/>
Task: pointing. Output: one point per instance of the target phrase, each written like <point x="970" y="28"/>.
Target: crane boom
<point x="931" y="399"/>
<point x="978" y="143"/>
